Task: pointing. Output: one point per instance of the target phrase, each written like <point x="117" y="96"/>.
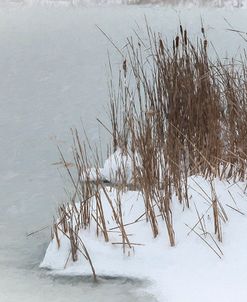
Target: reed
<point x="175" y="113"/>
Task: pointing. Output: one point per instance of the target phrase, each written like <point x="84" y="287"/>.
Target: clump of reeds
<point x="183" y="115"/>
<point x="175" y="114"/>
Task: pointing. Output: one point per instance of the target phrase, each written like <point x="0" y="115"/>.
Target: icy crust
<point x="190" y="271"/>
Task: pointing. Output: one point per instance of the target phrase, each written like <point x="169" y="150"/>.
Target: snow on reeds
<point x="174" y="114"/>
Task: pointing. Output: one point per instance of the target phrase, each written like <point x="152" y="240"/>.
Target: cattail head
<point x="177" y="41"/>
<point x="185" y="38"/>
<point x="181" y="30"/>
<point x="161" y="46"/>
<point x="125" y="67"/>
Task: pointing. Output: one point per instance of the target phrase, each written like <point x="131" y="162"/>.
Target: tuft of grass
<point x="174" y="114"/>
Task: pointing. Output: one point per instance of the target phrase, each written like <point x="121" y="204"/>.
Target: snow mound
<point x="199" y="266"/>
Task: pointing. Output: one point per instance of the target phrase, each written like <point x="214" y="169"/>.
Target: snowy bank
<point x="197" y="268"/>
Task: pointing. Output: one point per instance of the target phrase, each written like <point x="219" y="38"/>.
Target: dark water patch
<point x="101" y="279"/>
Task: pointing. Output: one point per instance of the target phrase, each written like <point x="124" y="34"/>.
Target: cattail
<point x="185" y="38"/>
<point x="161" y="45"/>
<point x="181" y="30"/>
<point x="125" y="67"/>
<point x="177" y="41"/>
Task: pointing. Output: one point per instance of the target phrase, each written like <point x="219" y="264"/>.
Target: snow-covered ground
<point x="198" y="268"/>
<point x="52" y="69"/>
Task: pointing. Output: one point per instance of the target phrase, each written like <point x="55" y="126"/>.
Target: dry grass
<point x="175" y="113"/>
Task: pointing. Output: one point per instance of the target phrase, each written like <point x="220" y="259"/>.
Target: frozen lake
<point x="53" y="76"/>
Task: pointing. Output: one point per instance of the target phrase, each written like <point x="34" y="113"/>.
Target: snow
<point x="117" y="164"/>
<point x="190" y="271"/>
